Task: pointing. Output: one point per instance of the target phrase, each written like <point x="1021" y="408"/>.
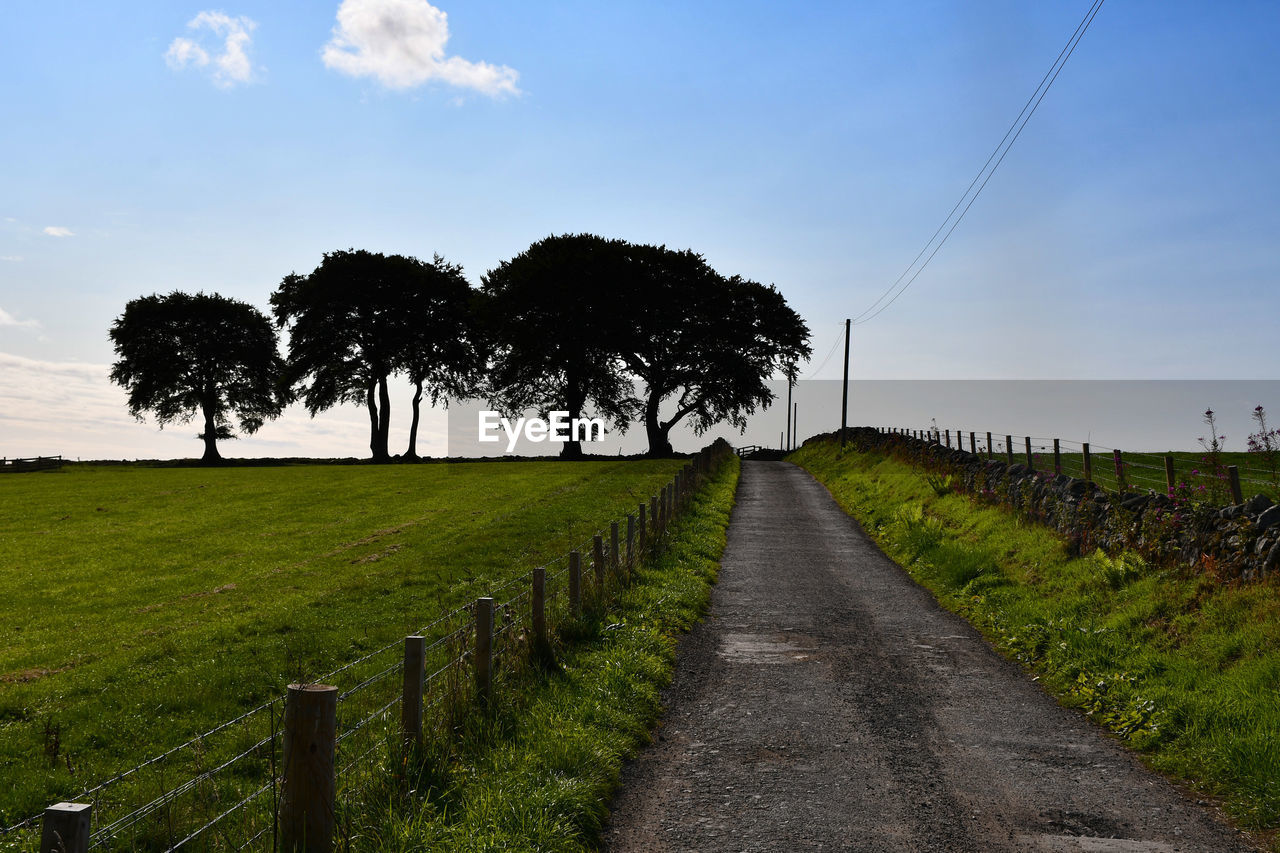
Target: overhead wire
<point x="1006" y="143"/>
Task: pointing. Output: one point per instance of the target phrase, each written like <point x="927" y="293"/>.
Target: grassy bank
<point x="141" y="606"/>
<point x="538" y="775"/>
<point x="1184" y="668"/>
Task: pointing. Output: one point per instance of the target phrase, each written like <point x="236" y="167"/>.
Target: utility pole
<point x="795" y="427"/>
<point x="844" y="389"/>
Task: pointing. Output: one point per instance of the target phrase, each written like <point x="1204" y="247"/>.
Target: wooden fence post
<point x="1118" y="459"/>
<point x="1008" y="449"/>
<point x="653" y="518"/>
<point x="1233" y="480"/>
<point x="1169" y="478"/>
<point x="575" y="583"/>
<point x="597" y="561"/>
<point x="973" y="443"/>
<point x="1057" y="457"/>
<point x="1031" y="465"/>
<point x="415" y="664"/>
<point x="990" y="451"/>
<point x="948" y="438"/>
<point x="65" y="828"/>
<point x="307" y="787"/>
<point x="538" y="611"/>
<point x="484" y="650"/>
<point x="1087" y="458"/>
<point x="660" y="517"/>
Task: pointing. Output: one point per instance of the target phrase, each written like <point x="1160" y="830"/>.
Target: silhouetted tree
<point x="709" y="341"/>
<point x="441" y="350"/>
<point x="548" y="313"/>
<point x="180" y="355"/>
<point x="362" y="316"/>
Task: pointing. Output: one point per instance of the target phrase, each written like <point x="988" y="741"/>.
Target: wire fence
<point x="222" y="790"/>
<point x="1203" y="476"/>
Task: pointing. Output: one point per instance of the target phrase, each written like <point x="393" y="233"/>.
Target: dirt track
<point x="828" y="703"/>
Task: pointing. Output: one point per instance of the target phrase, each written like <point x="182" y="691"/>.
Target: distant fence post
<point x="538" y="611"/>
<point x="973" y="443"/>
<point x="307" y="788"/>
<point x="1118" y="459"/>
<point x="484" y="650"/>
<point x="1031" y="464"/>
<point x="989" y="449"/>
<point x="1233" y="479"/>
<point x="1008" y="449"/>
<point x="575" y="583"/>
<point x="415" y="658"/>
<point x="597" y="561"/>
<point x="1170" y="479"/>
<point x="948" y="438"/>
<point x="1057" y="457"/>
<point x="1088" y="461"/>
<point x="65" y="828"/>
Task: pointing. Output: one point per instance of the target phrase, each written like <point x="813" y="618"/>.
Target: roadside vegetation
<point x="539" y="772"/>
<point x="1184" y="667"/>
<point x="142" y="605"/>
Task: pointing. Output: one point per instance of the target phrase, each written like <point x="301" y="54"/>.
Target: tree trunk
<point x="371" y="401"/>
<point x="575" y="400"/>
<point x="412" y="452"/>
<point x="657" y="432"/>
<point x="211" y="455"/>
<point x="384" y="419"/>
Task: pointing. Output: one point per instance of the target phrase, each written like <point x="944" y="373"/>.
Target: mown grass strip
<point x="538" y="773"/>
<point x="1184" y="668"/>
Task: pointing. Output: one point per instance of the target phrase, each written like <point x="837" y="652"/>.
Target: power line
<point x="1005" y="143"/>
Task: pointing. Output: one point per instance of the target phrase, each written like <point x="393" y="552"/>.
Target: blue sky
<point x="1131" y="233"/>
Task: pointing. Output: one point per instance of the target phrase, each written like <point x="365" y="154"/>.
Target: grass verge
<point x="1184" y="668"/>
<point x="537" y="774"/>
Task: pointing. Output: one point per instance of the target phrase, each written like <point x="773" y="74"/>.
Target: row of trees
<point x="575" y="322"/>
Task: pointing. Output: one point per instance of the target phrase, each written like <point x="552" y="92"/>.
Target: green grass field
<point x="1184" y="667"/>
<point x="142" y="606"/>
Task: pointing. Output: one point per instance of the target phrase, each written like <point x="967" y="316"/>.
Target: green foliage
<point x="180" y="356"/>
<point x="1182" y="667"/>
<point x="142" y="606"/>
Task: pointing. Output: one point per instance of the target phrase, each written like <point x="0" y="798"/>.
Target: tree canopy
<point x="362" y="316"/>
<point x="181" y="355"/>
<point x="548" y="314"/>
<point x="710" y="342"/>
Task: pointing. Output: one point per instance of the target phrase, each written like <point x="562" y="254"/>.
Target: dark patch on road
<point x="829" y="703"/>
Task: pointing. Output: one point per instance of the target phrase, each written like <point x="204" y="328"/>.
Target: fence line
<point x="1108" y="467"/>
<point x="238" y="761"/>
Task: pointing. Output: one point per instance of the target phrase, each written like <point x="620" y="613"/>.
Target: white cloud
<point x="228" y="67"/>
<point x="401" y="43"/>
<point x="59" y="231"/>
<point x="7" y="319"/>
<point x="11" y="258"/>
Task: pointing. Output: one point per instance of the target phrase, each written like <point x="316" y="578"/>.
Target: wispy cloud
<point x="59" y="231"/>
<point x="401" y="44"/>
<point x="7" y="319"/>
<point x="13" y="259"/>
<point x="227" y="64"/>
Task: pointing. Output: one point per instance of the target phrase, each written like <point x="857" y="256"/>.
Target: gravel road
<point x="829" y="703"/>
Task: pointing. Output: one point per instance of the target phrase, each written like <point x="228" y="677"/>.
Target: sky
<point x="1129" y="234"/>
